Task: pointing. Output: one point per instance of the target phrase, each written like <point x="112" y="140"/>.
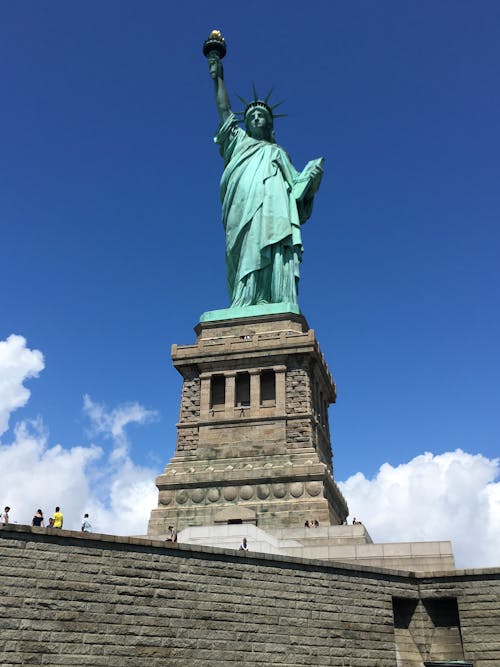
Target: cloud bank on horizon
<point x="451" y="496"/>
<point x="454" y="495"/>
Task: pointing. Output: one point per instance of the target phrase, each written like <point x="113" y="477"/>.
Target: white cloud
<point x="103" y="481"/>
<point x="130" y="496"/>
<point x="118" y="495"/>
<point x="128" y="492"/>
<point x="35" y="475"/>
<point x="111" y="424"/>
<point x="17" y="364"/>
<point x="453" y="496"/>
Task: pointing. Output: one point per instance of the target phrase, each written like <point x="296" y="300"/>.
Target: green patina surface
<point x="249" y="311"/>
<point x="265" y="200"/>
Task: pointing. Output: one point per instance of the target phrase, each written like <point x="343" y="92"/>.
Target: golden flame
<point x="216" y="34"/>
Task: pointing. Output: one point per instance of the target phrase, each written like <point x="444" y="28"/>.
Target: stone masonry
<point x="253" y="440"/>
<point x="87" y="600"/>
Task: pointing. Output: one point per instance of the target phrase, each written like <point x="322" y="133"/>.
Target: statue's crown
<point x="260" y="104"/>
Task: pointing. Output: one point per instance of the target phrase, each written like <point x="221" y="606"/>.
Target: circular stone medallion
<point x="165" y="497"/>
<point x="314" y="488"/>
<point x="263" y="491"/>
<point x="279" y="490"/>
<point x="213" y="495"/>
<point x="198" y="495"/>
<point x="230" y="492"/>
<point x="182" y="497"/>
<point x="246" y="492"/>
<point x="296" y="489"/>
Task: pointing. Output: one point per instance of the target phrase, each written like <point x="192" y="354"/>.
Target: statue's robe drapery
<point x="261" y="218"/>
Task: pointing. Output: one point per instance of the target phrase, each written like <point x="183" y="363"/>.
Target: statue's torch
<point x="214" y="49"/>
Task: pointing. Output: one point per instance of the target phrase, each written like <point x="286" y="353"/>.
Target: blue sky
<point x="111" y="239"/>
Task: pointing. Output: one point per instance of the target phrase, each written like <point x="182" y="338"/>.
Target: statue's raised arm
<point x="264" y="199"/>
<point x="221" y="96"/>
<point x="215" y="49"/>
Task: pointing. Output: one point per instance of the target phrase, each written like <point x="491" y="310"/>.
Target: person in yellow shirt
<point x="58" y="518"/>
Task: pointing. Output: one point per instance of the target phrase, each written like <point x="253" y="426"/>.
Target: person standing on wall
<point x="58" y="518"/>
<point x="86" y="525"/>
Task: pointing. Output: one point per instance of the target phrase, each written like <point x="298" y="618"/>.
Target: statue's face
<point x="258" y="123"/>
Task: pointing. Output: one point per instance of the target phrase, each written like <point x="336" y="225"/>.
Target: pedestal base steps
<point x="347" y="544"/>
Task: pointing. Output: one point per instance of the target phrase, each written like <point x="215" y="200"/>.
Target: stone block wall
<point x="190" y="401"/>
<point x="187" y="440"/>
<point x="478" y="610"/>
<point x="298" y="434"/>
<point x="298" y="398"/>
<point x="189" y="413"/>
<point x="89" y="600"/>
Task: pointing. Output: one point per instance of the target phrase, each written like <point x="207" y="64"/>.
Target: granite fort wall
<point x="79" y="599"/>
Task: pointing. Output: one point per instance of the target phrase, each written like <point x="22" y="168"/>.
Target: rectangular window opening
<point x="217" y="392"/>
<point x="242" y="393"/>
<point x="268" y="388"/>
<point x="443" y="612"/>
<point x="403" y="610"/>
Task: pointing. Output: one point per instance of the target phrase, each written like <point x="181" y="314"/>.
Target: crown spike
<point x="280" y="115"/>
<point x="278" y="104"/>
<point x="266" y="98"/>
<point x="262" y="103"/>
<point x="243" y="100"/>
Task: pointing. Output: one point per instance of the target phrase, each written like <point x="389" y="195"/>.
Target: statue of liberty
<point x="264" y="198"/>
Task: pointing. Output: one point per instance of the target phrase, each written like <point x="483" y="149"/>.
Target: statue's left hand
<point x="315" y="178"/>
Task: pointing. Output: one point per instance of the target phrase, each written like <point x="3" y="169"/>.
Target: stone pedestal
<point x="253" y="443"/>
